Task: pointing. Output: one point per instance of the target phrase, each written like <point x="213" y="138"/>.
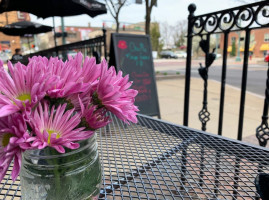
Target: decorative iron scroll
<point x="204" y="114"/>
<point x="262" y="132"/>
<point x="249" y="16"/>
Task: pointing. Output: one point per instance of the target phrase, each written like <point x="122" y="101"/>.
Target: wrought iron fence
<point x="244" y="18"/>
<point x="93" y="47"/>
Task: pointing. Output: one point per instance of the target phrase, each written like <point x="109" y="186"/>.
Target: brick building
<point x="75" y="33"/>
<point x="10" y="43"/>
<point x="259" y="42"/>
<point x="79" y="33"/>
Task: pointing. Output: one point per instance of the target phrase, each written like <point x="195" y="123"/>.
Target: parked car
<point x="181" y="54"/>
<point x="168" y="54"/>
<point x="4" y="56"/>
<point x="218" y="55"/>
<point x="72" y="53"/>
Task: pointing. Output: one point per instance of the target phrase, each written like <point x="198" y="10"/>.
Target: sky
<point x="169" y="11"/>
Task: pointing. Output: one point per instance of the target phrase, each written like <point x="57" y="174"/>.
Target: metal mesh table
<point x="158" y="160"/>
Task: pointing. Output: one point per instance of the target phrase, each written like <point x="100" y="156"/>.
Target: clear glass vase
<point x="48" y="175"/>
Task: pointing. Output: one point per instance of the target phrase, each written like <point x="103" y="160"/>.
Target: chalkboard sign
<point x="132" y="54"/>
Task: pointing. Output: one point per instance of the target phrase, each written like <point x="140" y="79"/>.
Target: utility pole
<point x="6" y="18"/>
<point x="63" y="37"/>
<point x="64" y="53"/>
<point x="217" y="43"/>
<point x="54" y="32"/>
<point x="238" y="49"/>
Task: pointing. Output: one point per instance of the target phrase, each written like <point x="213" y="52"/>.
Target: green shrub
<point x="233" y="52"/>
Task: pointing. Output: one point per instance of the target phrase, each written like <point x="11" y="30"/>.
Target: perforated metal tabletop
<point x="158" y="160"/>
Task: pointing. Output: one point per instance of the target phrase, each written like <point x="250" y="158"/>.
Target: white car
<point x="218" y="55"/>
<point x="4" y="56"/>
<point x="181" y="54"/>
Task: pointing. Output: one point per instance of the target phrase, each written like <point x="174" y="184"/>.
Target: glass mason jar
<point x="48" y="175"/>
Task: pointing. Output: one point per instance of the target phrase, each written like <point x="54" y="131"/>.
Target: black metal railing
<point x="243" y="18"/>
<point x="93" y="47"/>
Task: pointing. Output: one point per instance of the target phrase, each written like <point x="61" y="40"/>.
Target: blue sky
<point x="167" y="10"/>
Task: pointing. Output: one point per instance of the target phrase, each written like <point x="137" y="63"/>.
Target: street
<point x="256" y="73"/>
<point x="171" y="95"/>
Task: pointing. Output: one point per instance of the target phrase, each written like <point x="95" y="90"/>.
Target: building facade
<point x="259" y="42"/>
<point x="74" y="34"/>
<point x="8" y="44"/>
<point x="78" y="33"/>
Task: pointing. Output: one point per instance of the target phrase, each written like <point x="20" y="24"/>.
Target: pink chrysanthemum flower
<point x="57" y="128"/>
<point x="75" y="100"/>
<point x="44" y="59"/>
<point x="73" y="69"/>
<point x="68" y="76"/>
<point x="91" y="71"/>
<point x="92" y="117"/>
<point x="113" y="93"/>
<point x="71" y="74"/>
<point x="14" y="139"/>
<point x="23" y="87"/>
<point x="75" y="76"/>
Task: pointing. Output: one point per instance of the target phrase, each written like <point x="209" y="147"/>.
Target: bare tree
<point x="179" y="33"/>
<point x="114" y="7"/>
<point x="167" y="34"/>
<point x="149" y="6"/>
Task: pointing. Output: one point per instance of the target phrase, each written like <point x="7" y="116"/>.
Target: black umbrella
<point x="49" y="8"/>
<point x="24" y="27"/>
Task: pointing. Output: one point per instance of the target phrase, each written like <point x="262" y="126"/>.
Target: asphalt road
<point x="256" y="81"/>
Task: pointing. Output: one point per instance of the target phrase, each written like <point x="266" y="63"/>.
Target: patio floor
<point x="171" y="99"/>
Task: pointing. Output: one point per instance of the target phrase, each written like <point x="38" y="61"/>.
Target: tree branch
<point x="152" y="3"/>
<point x="113" y="6"/>
<point x="110" y="9"/>
<point x="121" y="4"/>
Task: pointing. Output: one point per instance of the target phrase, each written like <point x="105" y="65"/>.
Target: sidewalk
<point x="171" y="99"/>
<point x="218" y="61"/>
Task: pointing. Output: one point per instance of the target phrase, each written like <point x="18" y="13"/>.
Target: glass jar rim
<point x="29" y="153"/>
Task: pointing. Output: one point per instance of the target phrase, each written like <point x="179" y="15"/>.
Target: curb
<point x="164" y="77"/>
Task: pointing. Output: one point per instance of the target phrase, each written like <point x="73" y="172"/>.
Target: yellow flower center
<point x="24" y="97"/>
<point x="50" y="133"/>
<point x="5" y="139"/>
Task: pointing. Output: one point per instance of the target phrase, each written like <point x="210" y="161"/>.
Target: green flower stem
<point x="57" y="182"/>
<point x="57" y="177"/>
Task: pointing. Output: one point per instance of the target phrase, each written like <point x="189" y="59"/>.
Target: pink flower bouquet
<point x="54" y="104"/>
